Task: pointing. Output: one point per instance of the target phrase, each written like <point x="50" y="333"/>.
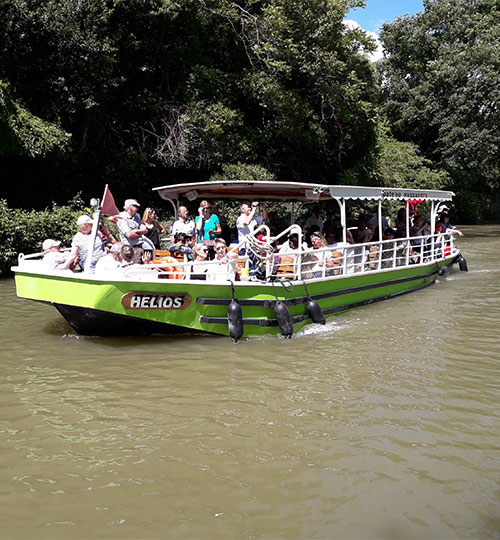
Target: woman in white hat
<point x="80" y="246"/>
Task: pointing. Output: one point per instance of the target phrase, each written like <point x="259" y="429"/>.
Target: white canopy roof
<point x="293" y="191"/>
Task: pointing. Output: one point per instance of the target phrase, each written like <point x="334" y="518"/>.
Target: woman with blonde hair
<point x="207" y="224"/>
<point x="199" y="268"/>
<point x="80" y="246"/>
<point x="154" y="228"/>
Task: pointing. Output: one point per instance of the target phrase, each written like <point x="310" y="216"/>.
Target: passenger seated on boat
<point x="127" y="255"/>
<point x="309" y="232"/>
<point x="331" y="238"/>
<point x="111" y="262"/>
<point x="283" y="262"/>
<point x="391" y="249"/>
<point x="292" y="244"/>
<point x="80" y="246"/>
<point x="314" y="263"/>
<point x="362" y="234"/>
<point x="53" y="257"/>
<point x="199" y="268"/>
<point x="224" y="264"/>
<point x="137" y="258"/>
<point x="183" y="250"/>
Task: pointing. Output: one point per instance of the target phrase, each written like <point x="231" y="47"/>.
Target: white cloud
<point x="379" y="52"/>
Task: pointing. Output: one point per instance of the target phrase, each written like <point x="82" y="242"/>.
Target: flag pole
<point x="95" y="203"/>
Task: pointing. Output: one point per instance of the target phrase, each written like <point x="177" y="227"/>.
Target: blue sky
<point x="377" y="12"/>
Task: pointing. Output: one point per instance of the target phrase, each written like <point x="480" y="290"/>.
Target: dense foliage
<point x="137" y="94"/>
<point x="441" y="85"/>
<point x="23" y="231"/>
<point x="159" y="89"/>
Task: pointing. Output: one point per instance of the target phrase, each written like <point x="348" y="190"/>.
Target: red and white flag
<point x="108" y="206"/>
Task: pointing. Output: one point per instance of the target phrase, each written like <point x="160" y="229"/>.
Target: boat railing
<point x="359" y="258"/>
<point x="261" y="251"/>
<point x="301" y="264"/>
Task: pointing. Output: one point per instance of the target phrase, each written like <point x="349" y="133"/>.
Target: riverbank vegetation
<point x="139" y="94"/>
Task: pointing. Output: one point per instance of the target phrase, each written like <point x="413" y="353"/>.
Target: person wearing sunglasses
<point x="199" y="268"/>
<point x="225" y="269"/>
<point x="207" y="224"/>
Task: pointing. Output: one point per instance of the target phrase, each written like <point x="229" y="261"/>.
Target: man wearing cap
<point x="182" y="225"/>
<point x="80" y="246"/>
<point x="130" y="225"/>
<point x="52" y="254"/>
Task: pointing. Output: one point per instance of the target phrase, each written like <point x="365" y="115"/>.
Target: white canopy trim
<point x="385" y="193"/>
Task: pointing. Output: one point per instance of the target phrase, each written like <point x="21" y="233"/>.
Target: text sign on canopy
<point x="406" y="194"/>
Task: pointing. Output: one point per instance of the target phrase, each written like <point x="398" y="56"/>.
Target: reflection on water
<point x="383" y="424"/>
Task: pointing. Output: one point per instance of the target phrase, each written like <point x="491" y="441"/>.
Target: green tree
<point x="441" y="87"/>
<point x="179" y="89"/>
<point x="400" y="164"/>
<point x="24" y="134"/>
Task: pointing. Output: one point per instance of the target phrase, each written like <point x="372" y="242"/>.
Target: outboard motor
<point x="313" y="309"/>
<point x="234" y="318"/>
<point x="462" y="264"/>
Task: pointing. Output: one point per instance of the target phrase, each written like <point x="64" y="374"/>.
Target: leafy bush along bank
<point x="23" y="231"/>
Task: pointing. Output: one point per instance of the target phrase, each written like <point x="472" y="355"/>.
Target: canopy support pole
<point x="343" y="221"/>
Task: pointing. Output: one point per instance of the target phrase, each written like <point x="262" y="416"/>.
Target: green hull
<point x="99" y="307"/>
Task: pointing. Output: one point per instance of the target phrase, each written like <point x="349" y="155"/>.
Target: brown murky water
<point x="383" y="424"/>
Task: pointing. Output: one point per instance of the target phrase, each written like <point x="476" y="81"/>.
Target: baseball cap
<point x="130" y="202"/>
<point x="49" y="243"/>
<point x="84" y="219"/>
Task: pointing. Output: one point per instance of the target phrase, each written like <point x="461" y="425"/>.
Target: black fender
<point x="314" y="311"/>
<point x="284" y="319"/>
<point x="462" y="264"/>
<point x="235" y="320"/>
<point x="443" y="271"/>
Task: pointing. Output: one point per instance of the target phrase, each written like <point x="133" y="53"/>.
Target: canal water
<point x="383" y="424"/>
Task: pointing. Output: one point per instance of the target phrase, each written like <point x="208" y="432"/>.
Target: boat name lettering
<point x="387" y="194"/>
<point x="143" y="300"/>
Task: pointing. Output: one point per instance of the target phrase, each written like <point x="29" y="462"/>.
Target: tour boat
<point x="293" y="289"/>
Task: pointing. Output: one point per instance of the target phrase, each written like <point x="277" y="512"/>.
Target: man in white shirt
<point x="248" y="220"/>
<point x="182" y="225"/>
